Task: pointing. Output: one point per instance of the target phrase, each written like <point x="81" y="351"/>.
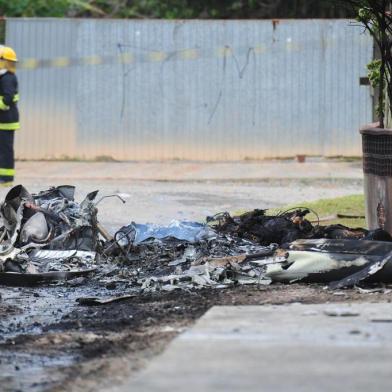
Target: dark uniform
<point x="9" y="122"/>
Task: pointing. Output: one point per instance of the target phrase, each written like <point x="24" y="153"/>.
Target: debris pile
<point x="254" y="248"/>
<point x="341" y="263"/>
<point x="49" y="236"/>
<point x="188" y="255"/>
<point x="287" y="227"/>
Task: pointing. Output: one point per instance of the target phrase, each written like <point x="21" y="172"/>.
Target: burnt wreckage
<point x="49" y="237"/>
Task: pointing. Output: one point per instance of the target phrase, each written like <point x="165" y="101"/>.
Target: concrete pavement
<point x="277" y="348"/>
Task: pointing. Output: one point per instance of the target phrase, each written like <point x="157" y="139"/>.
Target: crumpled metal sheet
<point x="367" y="272"/>
<point x="191" y="232"/>
<point x="342" y="263"/>
<point x="35" y="229"/>
<point x="44" y="254"/>
<point x="216" y="272"/>
<point x="36" y="225"/>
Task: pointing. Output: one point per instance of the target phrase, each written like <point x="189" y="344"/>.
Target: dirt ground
<point x="159" y="192"/>
<point x="48" y="342"/>
<point x="54" y="344"/>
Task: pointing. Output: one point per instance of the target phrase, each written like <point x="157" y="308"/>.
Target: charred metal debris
<point x="49" y="237"/>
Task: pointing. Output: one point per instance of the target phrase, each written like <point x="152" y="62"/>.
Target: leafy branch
<point x="376" y="17"/>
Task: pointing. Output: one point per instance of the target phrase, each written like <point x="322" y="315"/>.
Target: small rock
<point x="111" y="285"/>
<point x="381" y="320"/>
<point x="339" y="293"/>
<point x="77" y="281"/>
<point x="341" y="312"/>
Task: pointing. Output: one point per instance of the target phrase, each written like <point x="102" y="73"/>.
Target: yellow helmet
<point x="7" y="53"/>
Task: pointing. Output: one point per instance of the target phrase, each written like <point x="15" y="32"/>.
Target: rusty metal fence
<point x="208" y="90"/>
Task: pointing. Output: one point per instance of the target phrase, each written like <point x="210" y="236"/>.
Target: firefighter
<point x="9" y="115"/>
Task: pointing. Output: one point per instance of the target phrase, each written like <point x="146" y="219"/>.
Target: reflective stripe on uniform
<point x="7" y="172"/>
<point x="3" y="106"/>
<point x="9" y="126"/>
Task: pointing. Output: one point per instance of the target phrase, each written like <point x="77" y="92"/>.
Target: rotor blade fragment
<point x="363" y="274"/>
<point x="23" y="279"/>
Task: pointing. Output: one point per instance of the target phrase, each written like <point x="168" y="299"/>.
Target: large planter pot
<point x="377" y="168"/>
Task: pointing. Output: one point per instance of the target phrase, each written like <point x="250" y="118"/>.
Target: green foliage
<point x="374" y="72"/>
<point x="364" y="15"/>
<point x="171" y="9"/>
<point x="374" y="75"/>
<point x="2" y="31"/>
<point x="55" y="8"/>
<point x="349" y="205"/>
<point x="376" y="17"/>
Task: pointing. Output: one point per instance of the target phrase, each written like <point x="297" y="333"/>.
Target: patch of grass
<point x="104" y="158"/>
<point x="348" y="205"/>
<point x="329" y="208"/>
<point x="345" y="158"/>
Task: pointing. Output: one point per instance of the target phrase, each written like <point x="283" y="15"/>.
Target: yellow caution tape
<point x="128" y="57"/>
